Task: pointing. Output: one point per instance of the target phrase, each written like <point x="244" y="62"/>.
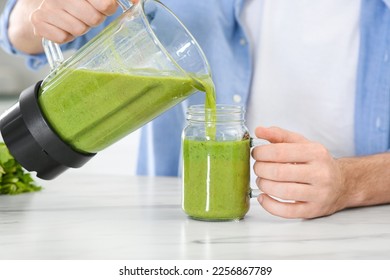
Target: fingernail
<point x="260" y="198"/>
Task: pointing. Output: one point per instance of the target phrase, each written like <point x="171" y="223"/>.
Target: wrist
<point x="353" y="195"/>
<point x="366" y="180"/>
<point x="20" y="30"/>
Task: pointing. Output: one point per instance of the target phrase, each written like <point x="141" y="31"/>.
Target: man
<point x="320" y="68"/>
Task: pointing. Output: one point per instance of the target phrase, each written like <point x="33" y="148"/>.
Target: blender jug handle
<point x="53" y="51"/>
<point x="125" y="4"/>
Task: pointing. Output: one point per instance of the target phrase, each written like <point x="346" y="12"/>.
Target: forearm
<point x="366" y="180"/>
<point x="20" y="31"/>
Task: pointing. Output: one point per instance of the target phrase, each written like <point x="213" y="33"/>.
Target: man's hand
<point x="62" y="21"/>
<point x="300" y="179"/>
<point x="56" y="20"/>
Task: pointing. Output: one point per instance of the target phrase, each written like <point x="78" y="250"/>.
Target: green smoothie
<point x="216" y="179"/>
<point x="90" y="110"/>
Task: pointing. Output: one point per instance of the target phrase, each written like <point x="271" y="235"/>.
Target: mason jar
<point x="216" y="162"/>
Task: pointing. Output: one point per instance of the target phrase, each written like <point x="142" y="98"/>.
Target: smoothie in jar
<point x="216" y="179"/>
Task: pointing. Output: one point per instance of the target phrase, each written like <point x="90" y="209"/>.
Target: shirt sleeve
<point x="33" y="61"/>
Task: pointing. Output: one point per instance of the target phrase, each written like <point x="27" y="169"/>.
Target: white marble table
<point x="124" y="217"/>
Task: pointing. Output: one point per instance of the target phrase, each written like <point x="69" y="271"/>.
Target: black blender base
<point x="33" y="143"/>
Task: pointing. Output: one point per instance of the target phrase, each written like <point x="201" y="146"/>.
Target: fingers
<point x="278" y="135"/>
<point x="284" y="172"/>
<point x="106" y="7"/>
<point x="308" y="163"/>
<point x="287" y="191"/>
<point x="61" y="21"/>
<point x="288" y="152"/>
<point x="56" y="27"/>
<point x="293" y="210"/>
<point x="85" y="12"/>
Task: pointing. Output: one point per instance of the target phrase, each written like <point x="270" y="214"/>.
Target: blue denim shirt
<point x="218" y="30"/>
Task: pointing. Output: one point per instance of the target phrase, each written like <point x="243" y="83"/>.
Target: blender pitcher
<point x="139" y="66"/>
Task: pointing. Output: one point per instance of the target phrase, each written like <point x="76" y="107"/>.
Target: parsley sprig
<point x="13" y="178"/>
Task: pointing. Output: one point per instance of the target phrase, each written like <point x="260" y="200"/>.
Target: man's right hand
<point x="61" y="21"/>
<point x="56" y="20"/>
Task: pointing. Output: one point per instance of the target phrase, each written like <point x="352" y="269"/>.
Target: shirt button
<point x="242" y="42"/>
<point x="386" y="57"/>
<point x="237" y="98"/>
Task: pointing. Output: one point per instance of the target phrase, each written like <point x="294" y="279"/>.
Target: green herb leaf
<point x="13" y="178"/>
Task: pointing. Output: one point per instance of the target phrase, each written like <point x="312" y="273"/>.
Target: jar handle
<point x="53" y="51"/>
<point x="253" y="142"/>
